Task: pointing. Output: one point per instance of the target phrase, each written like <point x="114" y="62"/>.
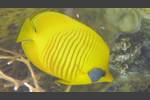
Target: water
<point x="126" y="30"/>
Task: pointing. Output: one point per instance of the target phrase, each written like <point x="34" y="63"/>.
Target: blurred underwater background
<point x="126" y="30"/>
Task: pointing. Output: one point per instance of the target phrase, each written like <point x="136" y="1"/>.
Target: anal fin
<point x="63" y="82"/>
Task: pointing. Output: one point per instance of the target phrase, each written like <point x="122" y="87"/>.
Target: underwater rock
<point x="145" y="28"/>
<point x="23" y="88"/>
<point x="146" y="51"/>
<point x="136" y="68"/>
<point x="126" y="54"/>
<point x="125" y="20"/>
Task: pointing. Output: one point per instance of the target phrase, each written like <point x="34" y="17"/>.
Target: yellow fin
<point x="53" y="21"/>
<point x="80" y="80"/>
<point x="27" y="31"/>
<point x="63" y="82"/>
<point x="107" y="78"/>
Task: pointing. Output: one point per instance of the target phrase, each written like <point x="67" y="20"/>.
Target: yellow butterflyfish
<point x="65" y="48"/>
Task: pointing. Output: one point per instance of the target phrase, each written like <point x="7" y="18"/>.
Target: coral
<point x="17" y="83"/>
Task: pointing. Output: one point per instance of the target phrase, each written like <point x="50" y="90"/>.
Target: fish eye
<point x="96" y="73"/>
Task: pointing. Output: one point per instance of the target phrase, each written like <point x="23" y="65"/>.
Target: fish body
<point x="65" y="48"/>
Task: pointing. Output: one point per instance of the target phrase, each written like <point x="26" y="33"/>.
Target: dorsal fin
<point x="53" y="21"/>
